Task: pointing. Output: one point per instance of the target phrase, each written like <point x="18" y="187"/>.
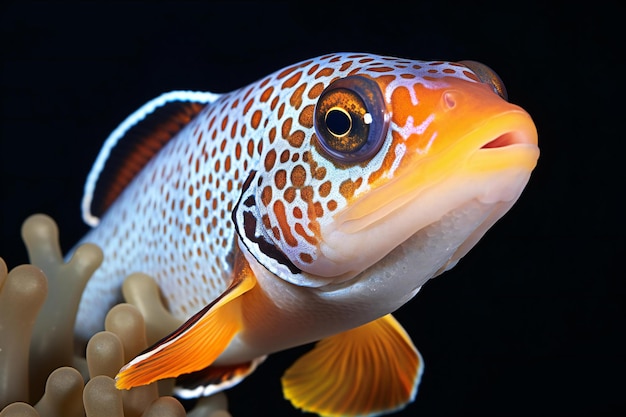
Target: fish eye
<point x="488" y="76"/>
<point x="351" y="120"/>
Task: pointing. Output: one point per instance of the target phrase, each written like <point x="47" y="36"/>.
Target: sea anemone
<point x="41" y="373"/>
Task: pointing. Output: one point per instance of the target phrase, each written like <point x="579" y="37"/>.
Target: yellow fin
<point x="197" y="343"/>
<point x="370" y="370"/>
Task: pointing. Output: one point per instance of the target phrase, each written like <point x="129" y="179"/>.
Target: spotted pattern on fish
<point x="174" y="220"/>
<point x="305" y="207"/>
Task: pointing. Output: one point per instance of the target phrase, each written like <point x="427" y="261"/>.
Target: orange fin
<point x="370" y="370"/>
<point x="197" y="343"/>
<point x="214" y="379"/>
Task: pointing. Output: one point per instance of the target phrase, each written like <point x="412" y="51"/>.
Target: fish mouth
<point x="509" y="140"/>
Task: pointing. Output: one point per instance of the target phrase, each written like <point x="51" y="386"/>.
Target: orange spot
<point x="270" y="160"/>
<point x="324" y="72"/>
<point x="319" y="210"/>
<point x="280" y="179"/>
<point x="290" y="194"/>
<point x="238" y="150"/>
<point x="347" y="189"/>
<point x="251" y="147"/>
<point x="471" y="75"/>
<point x="256" y="119"/>
<point x="286" y="128"/>
<point x="283" y="223"/>
<point x="272" y="134"/>
<point x="266" y="195"/>
<point x="281" y="110"/>
<point x="332" y="205"/>
<point x="306" y="258"/>
<point x="313" y="69"/>
<point x="227" y="163"/>
<point x="325" y="188"/>
<point x="316" y="90"/>
<point x="345" y="65"/>
<point x="292" y="80"/>
<point x="274" y="103"/>
<point x="296" y="97"/>
<point x="247" y="106"/>
<point x="287" y="71"/>
<point x="381" y="69"/>
<point x="224" y="122"/>
<point x="307" y="194"/>
<point x="296" y="138"/>
<point x="266" y="221"/>
<point x="284" y="156"/>
<point x="320" y="173"/>
<point x="306" y="116"/>
<point x="298" y="176"/>
<point x="267" y="94"/>
<point x="248" y="93"/>
<point x="297" y="213"/>
<point x="233" y="130"/>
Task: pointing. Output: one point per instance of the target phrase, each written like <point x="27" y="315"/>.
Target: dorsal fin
<point x="133" y="143"/>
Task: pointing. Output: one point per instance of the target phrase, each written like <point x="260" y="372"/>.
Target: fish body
<point x="306" y="206"/>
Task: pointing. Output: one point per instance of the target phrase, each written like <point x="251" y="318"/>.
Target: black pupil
<point x="338" y="122"/>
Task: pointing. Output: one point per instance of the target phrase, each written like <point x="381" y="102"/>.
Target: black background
<point x="532" y="322"/>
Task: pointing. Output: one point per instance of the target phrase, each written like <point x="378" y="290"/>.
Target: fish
<point x="305" y="207"/>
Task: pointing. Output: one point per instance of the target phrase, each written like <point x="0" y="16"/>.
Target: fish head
<point x="379" y="158"/>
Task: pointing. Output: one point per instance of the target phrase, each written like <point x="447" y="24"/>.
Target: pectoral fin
<point x="197" y="343"/>
<point x="372" y="369"/>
